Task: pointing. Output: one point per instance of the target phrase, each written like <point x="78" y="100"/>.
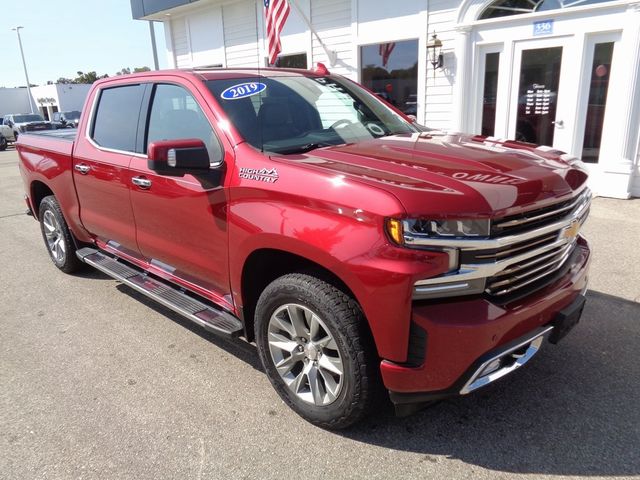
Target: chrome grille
<point x="540" y="216"/>
<point x="545" y="254"/>
<point x="525" y="255"/>
<point x="529" y="271"/>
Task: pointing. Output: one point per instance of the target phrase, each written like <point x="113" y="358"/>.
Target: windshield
<point x="293" y="114"/>
<point x="27" y="118"/>
<point x="71" y="115"/>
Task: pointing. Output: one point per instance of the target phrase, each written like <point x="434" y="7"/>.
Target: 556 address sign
<point x="543" y="27"/>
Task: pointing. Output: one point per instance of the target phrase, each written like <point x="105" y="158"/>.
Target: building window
<point x="600" y="71"/>
<point x="490" y="93"/>
<point x="504" y="8"/>
<point x="390" y="70"/>
<point x="299" y="60"/>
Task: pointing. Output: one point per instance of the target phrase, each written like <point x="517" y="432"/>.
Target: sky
<point x="62" y="37"/>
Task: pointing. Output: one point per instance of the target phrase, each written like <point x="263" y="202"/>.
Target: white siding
<point x="240" y="34"/>
<point x="180" y="35"/>
<point x="207" y="38"/>
<point x="439" y="87"/>
<point x="296" y="37"/>
<point x="332" y="20"/>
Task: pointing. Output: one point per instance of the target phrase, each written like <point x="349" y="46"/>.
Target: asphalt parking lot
<point x="95" y="382"/>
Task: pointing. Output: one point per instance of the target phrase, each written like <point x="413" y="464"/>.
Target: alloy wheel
<point x="305" y="354"/>
<point x="54" y="236"/>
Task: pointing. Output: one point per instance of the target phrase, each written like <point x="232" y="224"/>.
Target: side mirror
<point x="169" y="155"/>
<point x="10" y="123"/>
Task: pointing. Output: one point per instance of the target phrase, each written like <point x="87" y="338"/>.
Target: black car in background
<point x="68" y="119"/>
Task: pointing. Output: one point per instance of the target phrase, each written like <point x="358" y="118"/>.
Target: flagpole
<point x="331" y="54"/>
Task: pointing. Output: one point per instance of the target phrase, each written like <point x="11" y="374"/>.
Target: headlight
<point x="449" y="228"/>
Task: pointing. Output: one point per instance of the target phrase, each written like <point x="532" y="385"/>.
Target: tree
<point x="127" y="70"/>
<point x="88" y="77"/>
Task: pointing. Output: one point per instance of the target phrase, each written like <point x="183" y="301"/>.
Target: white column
<point x="463" y="50"/>
<point x="618" y="167"/>
<point x="171" y="59"/>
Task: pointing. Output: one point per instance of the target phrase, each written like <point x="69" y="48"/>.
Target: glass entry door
<point x="539" y="102"/>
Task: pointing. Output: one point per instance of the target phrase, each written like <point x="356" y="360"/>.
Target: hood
<point x="440" y="174"/>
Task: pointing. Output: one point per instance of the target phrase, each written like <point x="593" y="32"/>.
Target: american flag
<point x="276" y="12"/>
<point x="385" y="50"/>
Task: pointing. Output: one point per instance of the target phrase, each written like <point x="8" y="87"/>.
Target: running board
<point x="212" y="319"/>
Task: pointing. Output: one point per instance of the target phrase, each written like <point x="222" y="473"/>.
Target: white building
<point x="562" y="73"/>
<point x="46" y="99"/>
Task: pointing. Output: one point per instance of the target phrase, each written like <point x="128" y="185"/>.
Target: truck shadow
<point x="574" y="410"/>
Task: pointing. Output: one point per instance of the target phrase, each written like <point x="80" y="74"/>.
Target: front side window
<point x="115" y="123"/>
<point x="296" y="113"/>
<point x="175" y="115"/>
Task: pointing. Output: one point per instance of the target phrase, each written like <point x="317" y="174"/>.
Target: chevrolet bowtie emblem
<point x="571" y="231"/>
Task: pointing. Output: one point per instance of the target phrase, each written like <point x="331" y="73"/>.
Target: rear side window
<point x="116" y="119"/>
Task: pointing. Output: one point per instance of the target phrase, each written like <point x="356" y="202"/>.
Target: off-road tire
<point x="3" y="143"/>
<point x="68" y="262"/>
<point x="344" y="319"/>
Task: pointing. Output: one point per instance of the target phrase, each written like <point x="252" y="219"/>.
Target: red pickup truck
<point x="298" y="210"/>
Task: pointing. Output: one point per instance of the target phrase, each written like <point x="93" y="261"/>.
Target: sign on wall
<point x="543" y="27"/>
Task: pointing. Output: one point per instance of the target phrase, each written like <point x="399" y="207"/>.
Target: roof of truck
<point x="222" y="73"/>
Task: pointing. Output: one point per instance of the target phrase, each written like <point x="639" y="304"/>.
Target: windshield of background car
<point x="71" y="115"/>
<point x="293" y="114"/>
<point x="27" y="118"/>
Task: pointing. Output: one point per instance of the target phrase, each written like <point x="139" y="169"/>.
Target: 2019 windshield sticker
<point x="268" y="175"/>
<point x="242" y="90"/>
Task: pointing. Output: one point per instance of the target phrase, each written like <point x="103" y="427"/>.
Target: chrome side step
<point x="212" y="319"/>
<point x="506" y="361"/>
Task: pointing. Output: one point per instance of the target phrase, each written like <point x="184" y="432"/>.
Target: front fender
<point x="350" y="243"/>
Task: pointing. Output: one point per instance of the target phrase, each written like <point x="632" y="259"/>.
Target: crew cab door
<point x="181" y="219"/>
<point x="101" y="166"/>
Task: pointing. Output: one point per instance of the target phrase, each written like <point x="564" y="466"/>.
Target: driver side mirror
<point x="168" y="155"/>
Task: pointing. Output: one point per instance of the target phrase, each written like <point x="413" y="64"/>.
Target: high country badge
<point x="269" y="175"/>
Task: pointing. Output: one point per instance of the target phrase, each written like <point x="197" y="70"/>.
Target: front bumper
<point x="461" y="333"/>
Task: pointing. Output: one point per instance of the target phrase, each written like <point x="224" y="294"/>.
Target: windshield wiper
<point x="304" y="148"/>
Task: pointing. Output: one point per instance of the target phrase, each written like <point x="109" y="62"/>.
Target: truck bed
<point x="55" y="141"/>
<point x="67" y="134"/>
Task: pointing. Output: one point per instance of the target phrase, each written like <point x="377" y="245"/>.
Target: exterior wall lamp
<point x="435" y="47"/>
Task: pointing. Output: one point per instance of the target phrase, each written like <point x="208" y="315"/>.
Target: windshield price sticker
<point x="544" y="27"/>
<point x="243" y="90"/>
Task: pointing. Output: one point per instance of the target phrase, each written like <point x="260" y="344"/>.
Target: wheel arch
<point x="39" y="190"/>
<point x="264" y="265"/>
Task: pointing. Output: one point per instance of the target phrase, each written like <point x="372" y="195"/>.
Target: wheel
<point x="57" y="236"/>
<point x="317" y="351"/>
<point x="3" y="143"/>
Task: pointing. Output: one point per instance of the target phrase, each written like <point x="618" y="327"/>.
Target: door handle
<point x="141" y="182"/>
<point x="82" y="168"/>
<point x="559" y="123"/>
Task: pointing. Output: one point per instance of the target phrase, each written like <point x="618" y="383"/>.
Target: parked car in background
<point x="66" y="119"/>
<point x="6" y="135"/>
<point x="26" y="122"/>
